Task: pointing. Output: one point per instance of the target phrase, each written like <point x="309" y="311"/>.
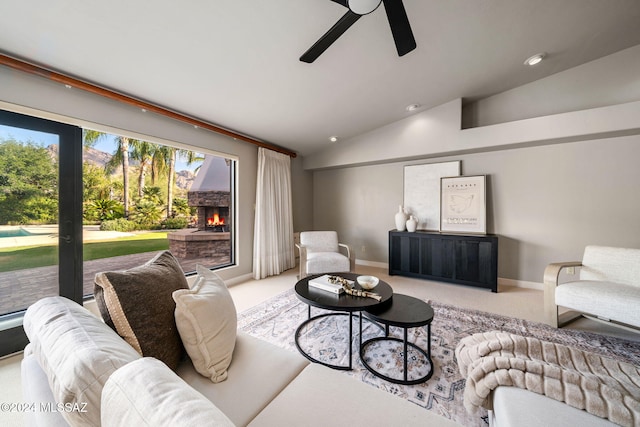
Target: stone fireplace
<point x="213" y="209"/>
<point x="216" y="218"/>
<point x="210" y="194"/>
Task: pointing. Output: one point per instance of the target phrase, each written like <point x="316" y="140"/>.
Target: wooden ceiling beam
<point x="29" y="68"/>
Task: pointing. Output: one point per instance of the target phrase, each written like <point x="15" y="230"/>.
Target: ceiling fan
<point x="396" y="14"/>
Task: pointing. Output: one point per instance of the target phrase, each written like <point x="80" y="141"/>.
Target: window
<point x="173" y="199"/>
<point x="74" y="202"/>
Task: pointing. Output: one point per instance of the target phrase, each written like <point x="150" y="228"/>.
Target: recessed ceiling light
<point x="535" y="59"/>
<point x="143" y="110"/>
<point x="333" y="138"/>
<point x="412" y="107"/>
<point x="67" y="86"/>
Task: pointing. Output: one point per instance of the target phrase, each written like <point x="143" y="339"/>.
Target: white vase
<point x="401" y="219"/>
<point x="412" y="224"/>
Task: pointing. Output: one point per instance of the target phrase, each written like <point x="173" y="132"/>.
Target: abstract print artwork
<point x="463" y="204"/>
<point x="422" y="191"/>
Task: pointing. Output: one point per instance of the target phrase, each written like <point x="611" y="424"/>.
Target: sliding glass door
<point x="40" y="218"/>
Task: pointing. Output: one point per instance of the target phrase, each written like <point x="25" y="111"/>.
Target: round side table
<point x="404" y="312"/>
<point x="339" y="305"/>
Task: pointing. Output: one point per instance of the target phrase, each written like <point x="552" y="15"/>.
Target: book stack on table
<point x="324" y="284"/>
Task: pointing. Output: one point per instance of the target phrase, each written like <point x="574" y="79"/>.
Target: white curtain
<point x="273" y="232"/>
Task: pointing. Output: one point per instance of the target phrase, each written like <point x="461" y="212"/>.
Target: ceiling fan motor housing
<point x="363" y="7"/>
<point x="396" y="15"/>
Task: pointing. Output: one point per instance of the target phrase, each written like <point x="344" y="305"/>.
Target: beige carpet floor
<point x="524" y="303"/>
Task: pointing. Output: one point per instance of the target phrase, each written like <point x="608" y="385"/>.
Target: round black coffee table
<point x="343" y="305"/>
<point x="404" y="312"/>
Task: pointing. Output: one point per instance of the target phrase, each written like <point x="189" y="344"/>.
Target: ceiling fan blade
<point x="345" y="3"/>
<point x="400" y="27"/>
<point x="347" y="20"/>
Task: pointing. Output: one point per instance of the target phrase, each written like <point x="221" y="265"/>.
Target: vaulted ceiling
<point x="235" y="63"/>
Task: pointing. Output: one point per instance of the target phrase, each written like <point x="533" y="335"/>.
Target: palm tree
<point x="190" y="157"/>
<point x="143" y="152"/>
<point x="104" y="209"/>
<point x="146" y="212"/>
<point x="159" y="162"/>
<point x="171" y="179"/>
<point x="91" y="137"/>
<point x="121" y="157"/>
<point x="152" y="194"/>
<point x="165" y="161"/>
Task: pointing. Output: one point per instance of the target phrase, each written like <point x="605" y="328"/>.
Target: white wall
<point x="557" y="180"/>
<point x="607" y="81"/>
<point x="438" y="132"/>
<point x="22" y="93"/>
<point x="545" y="203"/>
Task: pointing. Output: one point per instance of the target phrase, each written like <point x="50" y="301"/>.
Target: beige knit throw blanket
<point x="601" y="386"/>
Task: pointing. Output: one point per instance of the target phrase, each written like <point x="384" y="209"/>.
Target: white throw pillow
<point x="78" y="353"/>
<point x="207" y="322"/>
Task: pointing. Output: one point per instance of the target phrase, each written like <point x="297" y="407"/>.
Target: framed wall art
<point x="422" y="191"/>
<point x="463" y="204"/>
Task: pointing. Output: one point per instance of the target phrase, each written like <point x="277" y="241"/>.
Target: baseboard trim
<point x="238" y="279"/>
<point x="520" y="283"/>
<point x="364" y="262"/>
<point x="501" y="280"/>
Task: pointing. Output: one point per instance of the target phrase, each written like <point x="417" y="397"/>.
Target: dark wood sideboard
<point x="464" y="259"/>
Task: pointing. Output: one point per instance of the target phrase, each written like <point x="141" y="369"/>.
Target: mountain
<point x="184" y="178"/>
<point x="52" y="150"/>
<point x="95" y="157"/>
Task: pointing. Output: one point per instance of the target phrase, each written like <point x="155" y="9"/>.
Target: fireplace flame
<point x="215" y="220"/>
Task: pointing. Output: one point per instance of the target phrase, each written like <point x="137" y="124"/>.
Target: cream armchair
<point x="608" y="287"/>
<point x="320" y="252"/>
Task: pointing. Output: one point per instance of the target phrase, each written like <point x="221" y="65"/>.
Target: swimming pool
<point x="16" y="232"/>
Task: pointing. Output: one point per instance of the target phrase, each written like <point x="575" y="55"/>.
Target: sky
<point x="40" y="138"/>
<point x="107" y="144"/>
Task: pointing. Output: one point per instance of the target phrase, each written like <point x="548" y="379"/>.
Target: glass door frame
<point x="13" y="339"/>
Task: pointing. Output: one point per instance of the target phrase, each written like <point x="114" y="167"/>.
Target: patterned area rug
<point x="277" y="319"/>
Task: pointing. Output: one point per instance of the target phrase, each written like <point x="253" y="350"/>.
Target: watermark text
<point x="43" y="407"/>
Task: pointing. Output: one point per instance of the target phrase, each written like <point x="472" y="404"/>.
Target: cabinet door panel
<point x="395" y="253"/>
<point x="427" y="264"/>
<point x="439" y="259"/>
<point x="467" y="263"/>
<point x="410" y="254"/>
<point x="487" y="254"/>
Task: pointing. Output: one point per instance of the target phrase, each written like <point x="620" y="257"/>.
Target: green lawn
<point x="24" y="257"/>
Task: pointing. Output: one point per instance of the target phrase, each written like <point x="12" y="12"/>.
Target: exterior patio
<point x="21" y="288"/>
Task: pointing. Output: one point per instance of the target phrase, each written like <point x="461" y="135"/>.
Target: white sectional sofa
<point x="516" y="407"/>
<point x="75" y="361"/>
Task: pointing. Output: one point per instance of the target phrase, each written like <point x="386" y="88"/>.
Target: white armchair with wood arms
<point x="608" y="287"/>
<point x="320" y="252"/>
